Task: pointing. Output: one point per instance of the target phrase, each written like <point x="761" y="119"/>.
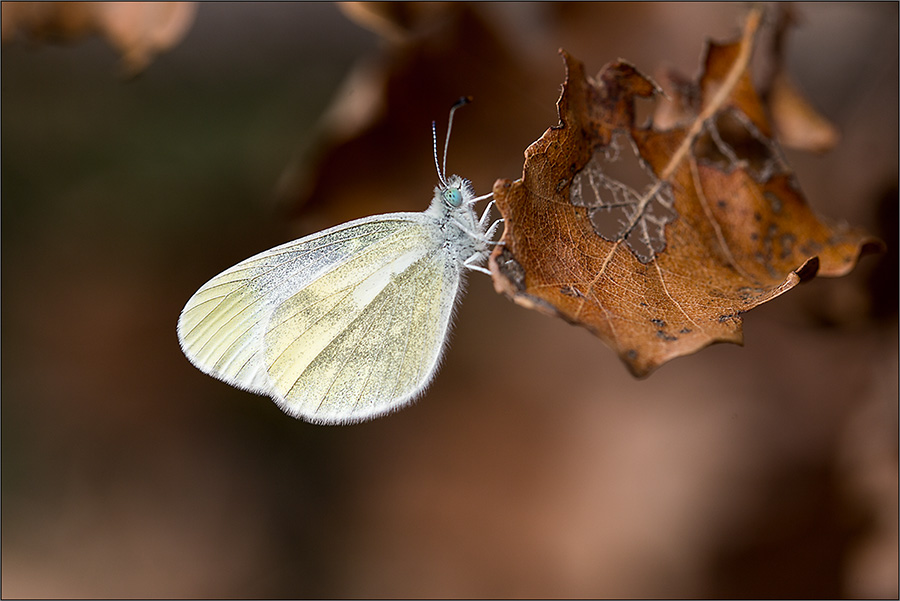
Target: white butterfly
<point x="349" y="323"/>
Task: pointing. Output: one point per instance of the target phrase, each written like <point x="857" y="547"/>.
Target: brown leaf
<point x="138" y="30"/>
<point x="658" y="240"/>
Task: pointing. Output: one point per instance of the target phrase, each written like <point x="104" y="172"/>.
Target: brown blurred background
<point x="535" y="466"/>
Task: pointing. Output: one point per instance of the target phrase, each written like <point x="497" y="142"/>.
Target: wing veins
<point x="344" y="362"/>
<point x="297" y="339"/>
<point x="421" y="265"/>
<point x="306" y="308"/>
<point x="219" y="329"/>
<point x="380" y="351"/>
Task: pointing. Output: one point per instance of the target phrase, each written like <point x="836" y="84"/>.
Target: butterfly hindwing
<point x="365" y="348"/>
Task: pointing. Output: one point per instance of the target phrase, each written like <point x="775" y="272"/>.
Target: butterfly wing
<point x="336" y="327"/>
<point x="343" y="352"/>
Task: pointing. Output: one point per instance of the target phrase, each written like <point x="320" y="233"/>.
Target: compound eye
<point x="452" y="196"/>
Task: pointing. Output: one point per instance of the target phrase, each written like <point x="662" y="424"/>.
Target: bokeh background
<point x="535" y="466"/>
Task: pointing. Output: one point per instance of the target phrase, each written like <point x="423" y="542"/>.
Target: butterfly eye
<point x="452" y="197"/>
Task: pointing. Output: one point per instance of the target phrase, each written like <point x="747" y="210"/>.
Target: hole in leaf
<point x="625" y="199"/>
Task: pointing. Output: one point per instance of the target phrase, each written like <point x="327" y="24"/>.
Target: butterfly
<point x="349" y="323"/>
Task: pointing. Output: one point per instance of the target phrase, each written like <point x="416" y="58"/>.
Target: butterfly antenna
<point x="437" y="165"/>
<point x="461" y="102"/>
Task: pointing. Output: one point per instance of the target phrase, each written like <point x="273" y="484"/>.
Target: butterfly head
<point x="452" y="197"/>
<point x="454" y="194"/>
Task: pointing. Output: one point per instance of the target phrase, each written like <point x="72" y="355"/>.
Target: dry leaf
<point x="658" y="240"/>
<point x="138" y="30"/>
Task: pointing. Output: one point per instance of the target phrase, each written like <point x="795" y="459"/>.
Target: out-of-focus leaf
<point x="796" y="121"/>
<point x="137" y="30"/>
<point x="658" y="240"/>
<point x="396" y="22"/>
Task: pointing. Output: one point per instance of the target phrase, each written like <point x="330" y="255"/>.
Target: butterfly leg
<point x="480" y="198"/>
<point x="492" y="230"/>
<point x="475" y="267"/>
<point x="486" y="215"/>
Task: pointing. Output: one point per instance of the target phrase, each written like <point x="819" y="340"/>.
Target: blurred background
<point x="535" y="466"/>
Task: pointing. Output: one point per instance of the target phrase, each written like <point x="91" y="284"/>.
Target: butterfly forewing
<point x="221" y="328"/>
